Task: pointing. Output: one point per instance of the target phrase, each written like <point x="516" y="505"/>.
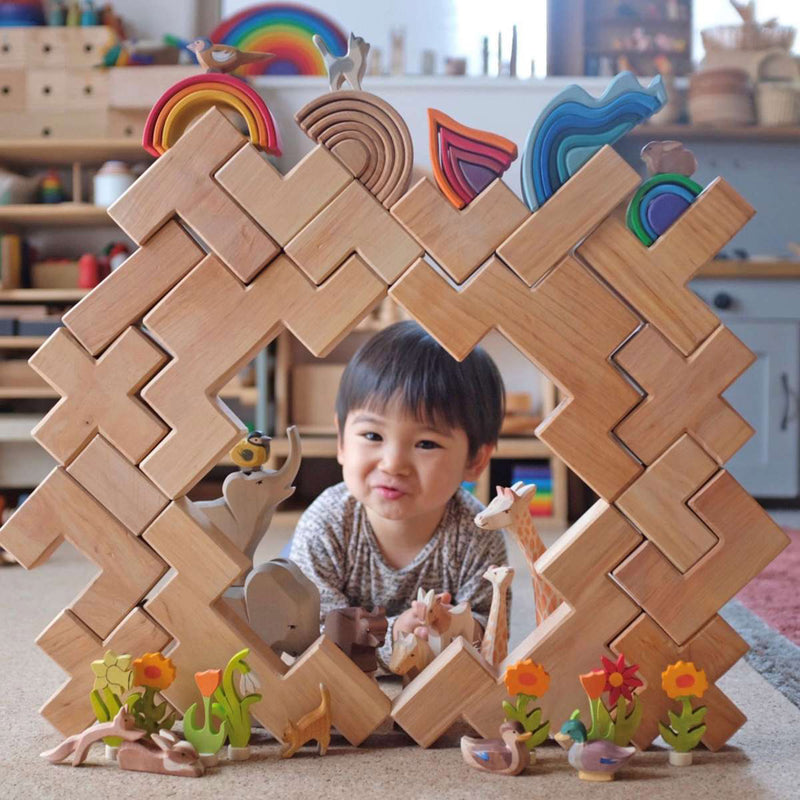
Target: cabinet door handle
<point x="787" y="399"/>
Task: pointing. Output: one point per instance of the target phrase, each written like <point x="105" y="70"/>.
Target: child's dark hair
<point x="405" y="363"/>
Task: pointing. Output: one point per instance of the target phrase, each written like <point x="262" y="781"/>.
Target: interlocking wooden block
<point x="181" y="182"/>
<point x="567" y="643"/>
<point x="60" y="509"/>
<point x="578" y="207"/>
<point x="354" y="222"/>
<point x="240" y="320"/>
<point x="715" y="649"/>
<point x="73" y="646"/>
<point x="656" y="502"/>
<point x="98" y="395"/>
<point x="460" y="241"/>
<point x="125" y="295"/>
<point x="684" y="394"/>
<point x="283" y="204"/>
<point x="653" y="279"/>
<point x="682" y="603"/>
<point x="112" y="480"/>
<point x="208" y="634"/>
<point x="568" y="325"/>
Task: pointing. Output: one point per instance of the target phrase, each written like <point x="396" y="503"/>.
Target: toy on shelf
<point x="358" y="633"/>
<point x="595" y="760"/>
<point x="527" y="682"/>
<point x="509" y="509"/>
<point x="507" y="755"/>
<point x="666" y="194"/>
<point x="574" y="126"/>
<point x="236" y="707"/>
<point x="122" y="728"/>
<point x="221" y="57"/>
<point x="170" y="756"/>
<point x="410" y="655"/>
<point x="350" y="67"/>
<point x="466" y="160"/>
<point x="113" y="678"/>
<point x="314" y="726"/>
<point x="444" y="621"/>
<point x="51" y="189"/>
<point x="618" y="725"/>
<point x="682" y="681"/>
<point x="494" y="645"/>
<point x="154" y="673"/>
<point x="205" y="739"/>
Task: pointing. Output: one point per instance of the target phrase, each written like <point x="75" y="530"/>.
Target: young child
<point x="413" y="423"/>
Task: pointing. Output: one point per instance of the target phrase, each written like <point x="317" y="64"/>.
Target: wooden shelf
<point x="27" y="393"/>
<point x="54" y="215"/>
<point x="21" y="342"/>
<point x="737" y="133"/>
<point x="18" y="427"/>
<point x="751" y="270"/>
<point x="50" y="152"/>
<point x="43" y="295"/>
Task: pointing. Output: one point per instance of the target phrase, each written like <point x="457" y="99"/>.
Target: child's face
<point x="401" y="468"/>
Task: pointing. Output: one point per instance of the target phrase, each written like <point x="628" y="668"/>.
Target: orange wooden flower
<point x="154" y="670"/>
<point x="594" y="683"/>
<point x="683" y="679"/>
<point x="208" y="681"/>
<point x="526" y="677"/>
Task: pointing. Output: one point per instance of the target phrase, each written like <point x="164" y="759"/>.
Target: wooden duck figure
<point x="251" y="452"/>
<point x="505" y="756"/>
<point x="595" y="761"/>
<point x="222" y="57"/>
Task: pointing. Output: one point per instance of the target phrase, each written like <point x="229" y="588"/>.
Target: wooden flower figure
<point x="682" y="681"/>
<point x="154" y="673"/>
<point x="527" y="681"/>
<point x="205" y="739"/>
<point x="620" y="680"/>
<point x="112" y="672"/>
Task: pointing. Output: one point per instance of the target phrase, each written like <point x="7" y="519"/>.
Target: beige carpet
<point x="761" y="761"/>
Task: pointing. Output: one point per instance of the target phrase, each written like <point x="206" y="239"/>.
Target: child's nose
<point x="394" y="459"/>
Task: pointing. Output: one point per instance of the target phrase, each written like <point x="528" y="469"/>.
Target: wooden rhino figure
<point x="359" y="633"/>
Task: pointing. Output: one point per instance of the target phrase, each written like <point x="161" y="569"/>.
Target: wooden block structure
<point x="643" y="572"/>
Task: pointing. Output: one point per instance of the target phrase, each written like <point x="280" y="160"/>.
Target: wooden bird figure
<point x="505" y="756"/>
<point x="251" y="452"/>
<point x="222" y="57"/>
<point x="595" y="761"/>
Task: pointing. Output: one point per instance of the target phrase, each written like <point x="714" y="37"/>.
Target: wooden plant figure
<point x="350" y="67"/>
<point x="222" y="57"/>
<point x="154" y="673"/>
<point x="205" y="739"/>
<point x="595" y="761"/>
<point x="410" y="655"/>
<point x="619" y="724"/>
<point x="509" y="509"/>
<point x="507" y="755"/>
<point x="170" y="756"/>
<point x="445" y="622"/>
<point x="316" y="725"/>
<point x="527" y="682"/>
<point x="494" y="646"/>
<point x="122" y="727"/>
<point x="682" y="681"/>
<point x="113" y="678"/>
<point x="235" y="707"/>
<point x="358" y="633"/>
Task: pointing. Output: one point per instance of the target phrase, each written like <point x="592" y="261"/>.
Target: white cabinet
<point x="765" y="315"/>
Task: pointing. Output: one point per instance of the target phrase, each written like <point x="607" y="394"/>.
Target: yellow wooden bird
<point x="251" y="452"/>
<point x="222" y="57"/>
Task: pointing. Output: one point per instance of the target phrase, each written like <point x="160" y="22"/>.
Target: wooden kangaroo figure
<point x="122" y="726"/>
<point x="314" y="725"/>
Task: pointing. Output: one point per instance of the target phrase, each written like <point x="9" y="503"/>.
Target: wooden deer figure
<point x="173" y="757"/>
<point x="494" y="647"/>
<point x="315" y="725"/>
<point x="509" y="509"/>
<point x="122" y="726"/>
<point x="445" y="622"/>
<point x="410" y="655"/>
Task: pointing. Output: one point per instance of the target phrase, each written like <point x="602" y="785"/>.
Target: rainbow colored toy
<point x="574" y="125"/>
<point x="658" y="202"/>
<point x="284" y="29"/>
<point x="466" y="160"/>
<point x="188" y="99"/>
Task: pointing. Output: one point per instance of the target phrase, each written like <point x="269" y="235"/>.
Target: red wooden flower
<point x="620" y="680"/>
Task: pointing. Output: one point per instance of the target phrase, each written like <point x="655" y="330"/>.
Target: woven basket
<point x="750" y="36"/>
<point x="778" y="103"/>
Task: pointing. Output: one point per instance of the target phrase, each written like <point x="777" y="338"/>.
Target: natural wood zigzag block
<point x="231" y="253"/>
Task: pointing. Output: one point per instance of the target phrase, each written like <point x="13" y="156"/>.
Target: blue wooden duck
<point x="595" y="761"/>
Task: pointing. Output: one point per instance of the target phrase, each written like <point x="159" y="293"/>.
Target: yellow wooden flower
<point x="112" y="672"/>
<point x="154" y="670"/>
<point x="683" y="679"/>
<point x="527" y="677"/>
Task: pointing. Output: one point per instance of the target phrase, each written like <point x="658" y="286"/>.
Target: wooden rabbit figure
<point x="174" y="757"/>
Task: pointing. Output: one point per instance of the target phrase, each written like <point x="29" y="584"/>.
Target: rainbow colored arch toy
<point x="182" y="103"/>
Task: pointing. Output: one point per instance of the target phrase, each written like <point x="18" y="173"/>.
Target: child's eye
<point x="371" y="436"/>
<point x="427" y="444"/>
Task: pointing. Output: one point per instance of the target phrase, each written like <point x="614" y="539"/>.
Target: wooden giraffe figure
<point x="510" y="510"/>
<point x="494" y="647"/>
